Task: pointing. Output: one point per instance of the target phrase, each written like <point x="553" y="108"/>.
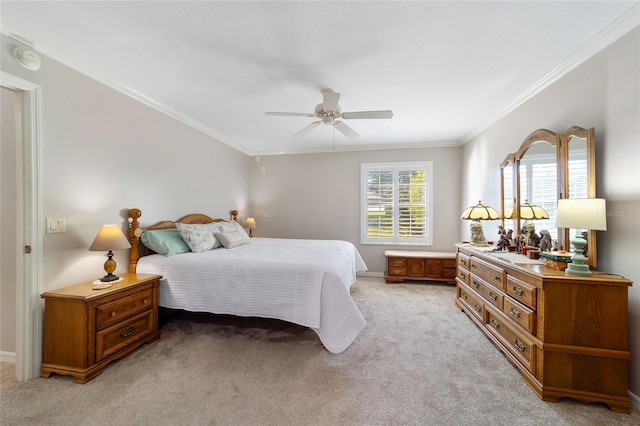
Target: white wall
<point x="103" y="153"/>
<point x="318" y="196"/>
<point x="604" y="93"/>
<point x="8" y="222"/>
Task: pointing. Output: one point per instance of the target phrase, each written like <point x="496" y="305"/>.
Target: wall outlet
<point x="55" y="225"/>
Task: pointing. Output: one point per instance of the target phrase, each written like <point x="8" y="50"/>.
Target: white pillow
<point x="232" y="225"/>
<point x="231" y="239"/>
<point x="199" y="237"/>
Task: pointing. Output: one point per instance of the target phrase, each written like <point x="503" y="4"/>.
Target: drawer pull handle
<point x="518" y="290"/>
<point x="127" y="331"/>
<point x="478" y="308"/>
<point x="145" y="301"/>
<point x="463" y="262"/>
<point x="476" y="284"/>
<point x="113" y="314"/>
<point x="497" y="278"/>
<point x="493" y="296"/>
<point x="515" y="312"/>
<point x="463" y="275"/>
<point x="473" y="266"/>
<point x="521" y="347"/>
<point x="463" y="295"/>
<point x="495" y="323"/>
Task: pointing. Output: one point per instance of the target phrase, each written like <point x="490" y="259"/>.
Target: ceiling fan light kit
<point x="329" y="111"/>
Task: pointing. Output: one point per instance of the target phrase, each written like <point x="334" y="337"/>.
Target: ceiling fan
<point x="329" y="112"/>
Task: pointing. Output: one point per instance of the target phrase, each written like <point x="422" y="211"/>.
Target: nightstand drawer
<point x="119" y="336"/>
<point x="111" y="313"/>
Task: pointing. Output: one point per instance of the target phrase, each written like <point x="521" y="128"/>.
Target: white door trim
<point x="30" y="228"/>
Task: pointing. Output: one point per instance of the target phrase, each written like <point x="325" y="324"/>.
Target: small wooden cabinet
<point x="420" y="265"/>
<point x="567" y="335"/>
<point x="85" y="329"/>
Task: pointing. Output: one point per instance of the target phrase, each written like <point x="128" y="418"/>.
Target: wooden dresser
<point x="85" y="329"/>
<point x="567" y="335"/>
<point x="420" y="265"/>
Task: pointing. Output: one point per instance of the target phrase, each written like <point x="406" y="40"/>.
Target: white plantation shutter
<point x="539" y="186"/>
<point x="396" y="203"/>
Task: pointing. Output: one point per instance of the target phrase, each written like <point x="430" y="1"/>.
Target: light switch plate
<point x="55" y="225"/>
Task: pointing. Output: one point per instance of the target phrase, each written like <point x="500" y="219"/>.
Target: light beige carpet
<point x="419" y="361"/>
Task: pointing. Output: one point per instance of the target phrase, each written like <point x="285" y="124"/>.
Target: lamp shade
<point x="582" y="213"/>
<point x="480" y="212"/>
<point x="250" y="223"/>
<point x="528" y="212"/>
<point x="110" y="237"/>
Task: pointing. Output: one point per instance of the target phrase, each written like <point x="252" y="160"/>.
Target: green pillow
<point x="165" y="241"/>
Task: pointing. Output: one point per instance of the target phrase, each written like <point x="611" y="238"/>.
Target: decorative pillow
<point x="164" y="241"/>
<point x="232" y="239"/>
<point x="232" y="225"/>
<point x="199" y="237"/>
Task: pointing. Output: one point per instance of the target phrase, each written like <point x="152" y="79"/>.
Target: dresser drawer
<point x="463" y="275"/>
<point x="519" y="313"/>
<point x="464" y="260"/>
<point x="522" y="292"/>
<point x="489" y="292"/>
<point x="491" y="274"/>
<point x="119" y="336"/>
<point x="517" y="342"/>
<point x="471" y="299"/>
<point x="111" y="313"/>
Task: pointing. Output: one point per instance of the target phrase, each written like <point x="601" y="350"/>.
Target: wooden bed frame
<point x="135" y="231"/>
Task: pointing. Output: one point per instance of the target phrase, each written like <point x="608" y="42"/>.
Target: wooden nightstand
<point x="85" y="329"/>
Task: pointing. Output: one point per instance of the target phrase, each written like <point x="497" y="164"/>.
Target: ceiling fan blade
<point x="307" y="129"/>
<point x="367" y="114"/>
<point x="345" y="130"/>
<point x="330" y="100"/>
<point x="290" y="114"/>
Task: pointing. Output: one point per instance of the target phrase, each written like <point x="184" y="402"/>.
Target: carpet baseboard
<point x="7" y="356"/>
<point x="635" y="400"/>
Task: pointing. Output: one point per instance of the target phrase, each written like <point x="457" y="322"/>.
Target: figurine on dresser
<point x="505" y="240"/>
<point x="546" y="244"/>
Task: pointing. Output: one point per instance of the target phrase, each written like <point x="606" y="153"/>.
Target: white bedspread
<point x="305" y="282"/>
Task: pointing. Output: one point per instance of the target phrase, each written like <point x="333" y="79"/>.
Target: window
<point x="396" y="203"/>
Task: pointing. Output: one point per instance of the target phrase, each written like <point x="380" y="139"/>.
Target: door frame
<point x="29" y="229"/>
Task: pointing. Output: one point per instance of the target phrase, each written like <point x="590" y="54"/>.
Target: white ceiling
<point x="447" y="69"/>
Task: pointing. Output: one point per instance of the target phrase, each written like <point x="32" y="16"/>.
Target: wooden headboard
<point x="135" y="231"/>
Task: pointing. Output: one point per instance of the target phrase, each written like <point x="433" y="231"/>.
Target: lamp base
<point x="578" y="266"/>
<point x="109" y="278"/>
<point x="477" y="235"/>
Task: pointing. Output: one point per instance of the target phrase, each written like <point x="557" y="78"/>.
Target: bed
<point x="306" y="282"/>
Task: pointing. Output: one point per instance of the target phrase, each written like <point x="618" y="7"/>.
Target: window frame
<point x="395" y="167"/>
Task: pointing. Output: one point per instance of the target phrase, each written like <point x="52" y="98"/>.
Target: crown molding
<point x="354" y="148"/>
<point x="53" y="51"/>
<point x="599" y="42"/>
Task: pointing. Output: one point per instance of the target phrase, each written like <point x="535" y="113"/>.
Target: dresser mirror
<point x="578" y="152"/>
<point x="548" y="166"/>
<point x="508" y="191"/>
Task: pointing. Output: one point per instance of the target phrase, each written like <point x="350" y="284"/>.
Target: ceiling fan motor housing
<point x="327" y="116"/>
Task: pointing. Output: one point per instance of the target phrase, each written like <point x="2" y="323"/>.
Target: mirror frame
<point x="561" y="144"/>
<point x="565" y="138"/>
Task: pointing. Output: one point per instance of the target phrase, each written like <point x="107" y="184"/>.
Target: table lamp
<point x="579" y="214"/>
<point x="475" y="214"/>
<point x="251" y="224"/>
<point x="109" y="238"/>
<point x="528" y="212"/>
